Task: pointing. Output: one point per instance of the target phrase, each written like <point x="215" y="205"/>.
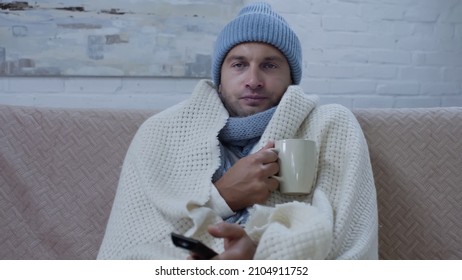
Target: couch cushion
<point x="59" y="171"/>
<point x="417" y="163"/>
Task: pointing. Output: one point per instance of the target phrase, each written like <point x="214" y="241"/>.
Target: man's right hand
<point x="249" y="181"/>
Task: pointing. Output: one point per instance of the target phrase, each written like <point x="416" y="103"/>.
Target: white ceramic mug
<point x="297" y="165"/>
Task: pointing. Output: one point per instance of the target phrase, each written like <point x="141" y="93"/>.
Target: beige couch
<point x="59" y="170"/>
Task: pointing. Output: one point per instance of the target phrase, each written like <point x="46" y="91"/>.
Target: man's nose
<point x="254" y="78"/>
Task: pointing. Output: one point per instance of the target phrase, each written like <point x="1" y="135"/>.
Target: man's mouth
<point x="254" y="100"/>
<point x="254" y="97"/>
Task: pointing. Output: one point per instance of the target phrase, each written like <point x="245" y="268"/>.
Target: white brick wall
<point x="98" y="92"/>
<point x="359" y="53"/>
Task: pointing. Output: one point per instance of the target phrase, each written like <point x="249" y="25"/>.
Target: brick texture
<point x="359" y="53"/>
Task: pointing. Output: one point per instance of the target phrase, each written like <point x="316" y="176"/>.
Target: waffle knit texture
<point x="257" y="22"/>
<point x="165" y="185"/>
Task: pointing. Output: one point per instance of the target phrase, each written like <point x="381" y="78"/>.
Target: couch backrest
<point x="58" y="175"/>
<point x="59" y="170"/>
<point x="416" y="157"/>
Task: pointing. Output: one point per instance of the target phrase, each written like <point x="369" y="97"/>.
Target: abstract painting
<point x="111" y="37"/>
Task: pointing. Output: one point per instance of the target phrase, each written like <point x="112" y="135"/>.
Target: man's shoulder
<point x="168" y="112"/>
<point x="333" y="109"/>
<point x="161" y="117"/>
<point x="332" y="113"/>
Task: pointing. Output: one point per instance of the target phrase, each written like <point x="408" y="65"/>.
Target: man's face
<point x="254" y="76"/>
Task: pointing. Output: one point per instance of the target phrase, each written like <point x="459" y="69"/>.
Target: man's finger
<point x="273" y="184"/>
<point x="268" y="145"/>
<point x="226" y="230"/>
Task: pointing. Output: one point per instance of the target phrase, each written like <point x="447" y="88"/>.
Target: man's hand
<point x="238" y="245"/>
<point x="249" y="180"/>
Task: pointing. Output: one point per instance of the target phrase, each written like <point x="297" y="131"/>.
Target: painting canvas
<point x="110" y="37"/>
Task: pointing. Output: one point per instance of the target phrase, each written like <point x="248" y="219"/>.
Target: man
<point x="204" y="167"/>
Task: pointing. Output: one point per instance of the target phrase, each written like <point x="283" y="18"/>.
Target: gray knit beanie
<point x="257" y="22"/>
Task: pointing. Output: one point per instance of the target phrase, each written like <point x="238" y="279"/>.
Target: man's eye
<point x="270" y="66"/>
<point x="238" y="65"/>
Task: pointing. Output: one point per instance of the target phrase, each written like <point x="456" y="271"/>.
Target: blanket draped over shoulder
<point x="165" y="185"/>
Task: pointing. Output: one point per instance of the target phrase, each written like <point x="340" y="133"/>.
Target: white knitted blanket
<point x="165" y="185"/>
